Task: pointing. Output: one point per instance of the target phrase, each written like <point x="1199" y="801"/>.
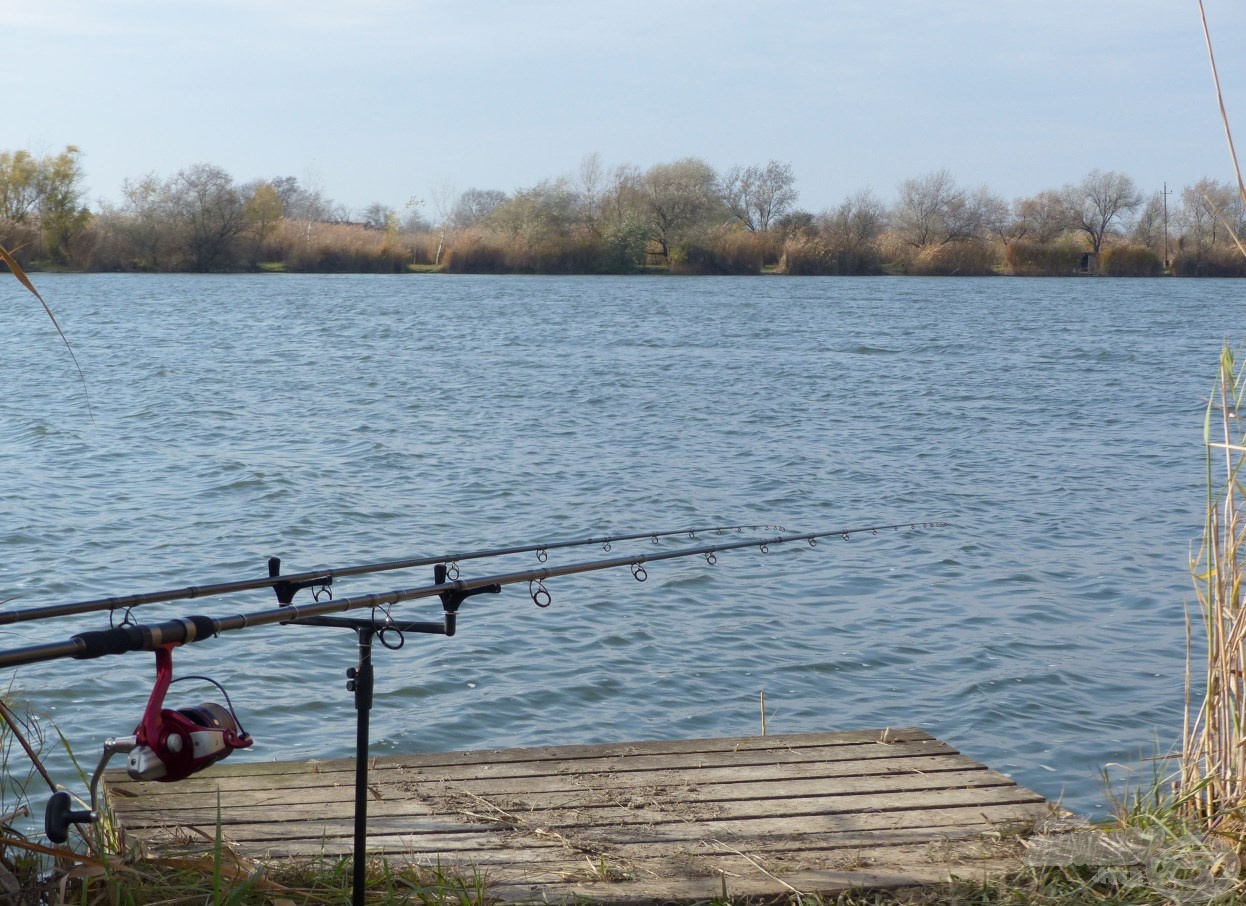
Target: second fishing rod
<point x="287" y="584"/>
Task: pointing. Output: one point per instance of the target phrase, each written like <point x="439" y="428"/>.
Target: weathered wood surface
<point x="652" y="821"/>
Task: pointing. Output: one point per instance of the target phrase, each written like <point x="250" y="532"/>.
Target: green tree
<point x="263" y="208"/>
<point x="540" y="223"/>
<point x="19" y="188"/>
<point x="62" y="215"/>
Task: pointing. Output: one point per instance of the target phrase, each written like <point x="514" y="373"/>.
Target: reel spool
<point x="184" y="742"/>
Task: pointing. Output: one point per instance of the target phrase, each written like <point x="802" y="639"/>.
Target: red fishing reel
<point x="172" y="745"/>
<point x="167" y="745"/>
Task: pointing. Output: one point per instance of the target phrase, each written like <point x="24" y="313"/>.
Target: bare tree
<point x="1099" y="203"/>
<point x="475" y="205"/>
<point x="1203" y="205"/>
<point x="289" y="193"/>
<point x="623" y="198"/>
<point x="591" y="184"/>
<point x="413" y="220"/>
<point x="758" y="196"/>
<point x="934" y="210"/>
<point x="851" y="231"/>
<point x="989" y="215"/>
<point x="1040" y="218"/>
<point x="444" y="196"/>
<point x="212" y="211"/>
<point x="1148" y="228"/>
<point x="378" y="216"/>
<point x="145" y="222"/>
<point x="858" y="219"/>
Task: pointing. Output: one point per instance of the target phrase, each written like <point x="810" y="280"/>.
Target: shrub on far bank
<point x="811" y="255"/>
<point x="1217" y="261"/>
<point x="471" y="253"/>
<point x="336" y="248"/>
<point x="1042" y="259"/>
<point x="482" y="252"/>
<point x="21" y="240"/>
<point x="954" y="259"/>
<point x="423" y="247"/>
<point x="724" y="252"/>
<point x="1129" y="261"/>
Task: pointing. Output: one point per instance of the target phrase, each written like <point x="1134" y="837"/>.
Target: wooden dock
<point x="681" y="820"/>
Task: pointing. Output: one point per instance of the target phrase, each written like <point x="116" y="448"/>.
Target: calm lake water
<point x="336" y="420"/>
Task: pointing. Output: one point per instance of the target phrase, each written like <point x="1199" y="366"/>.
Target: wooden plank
<point x="171" y="798"/>
<point x="638" y="802"/>
<point x="934" y="827"/>
<point x="873" y="740"/>
<point x="248" y="776"/>
<point x="743" y="820"/>
<point x="615" y="822"/>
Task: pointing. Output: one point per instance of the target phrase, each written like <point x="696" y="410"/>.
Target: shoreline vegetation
<point x="679" y="218"/>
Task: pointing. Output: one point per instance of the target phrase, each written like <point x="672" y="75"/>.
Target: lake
<point x="334" y="420"/>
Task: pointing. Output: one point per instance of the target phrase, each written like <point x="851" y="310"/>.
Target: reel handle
<point x="60" y="813"/>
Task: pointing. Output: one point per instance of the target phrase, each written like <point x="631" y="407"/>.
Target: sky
<point x="393" y="100"/>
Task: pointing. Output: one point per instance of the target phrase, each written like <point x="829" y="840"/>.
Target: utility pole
<point x="1166" y="194"/>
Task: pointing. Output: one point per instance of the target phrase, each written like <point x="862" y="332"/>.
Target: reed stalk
<point x="16" y="270"/>
<point x="1213" y="770"/>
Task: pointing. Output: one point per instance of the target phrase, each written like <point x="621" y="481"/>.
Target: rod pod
<point x="361" y="680"/>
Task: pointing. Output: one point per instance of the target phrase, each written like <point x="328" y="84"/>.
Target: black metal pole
<point x="361" y="681"/>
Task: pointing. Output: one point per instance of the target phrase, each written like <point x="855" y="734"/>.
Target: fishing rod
<point x="322" y="577"/>
<point x="186" y="630"/>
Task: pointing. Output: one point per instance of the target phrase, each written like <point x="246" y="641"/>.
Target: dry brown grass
<point x="1213" y="769"/>
<point x="337" y="248"/>
<point x="1129" y="261"/>
<point x="1042" y="259"/>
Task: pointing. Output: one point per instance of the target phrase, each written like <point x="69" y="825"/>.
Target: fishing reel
<point x="167" y="745"/>
<point x="172" y="745"/>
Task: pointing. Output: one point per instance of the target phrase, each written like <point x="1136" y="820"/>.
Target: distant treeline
<point x="682" y="217"/>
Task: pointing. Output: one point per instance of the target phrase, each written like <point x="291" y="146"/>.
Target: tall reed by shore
<point x="1212" y="789"/>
